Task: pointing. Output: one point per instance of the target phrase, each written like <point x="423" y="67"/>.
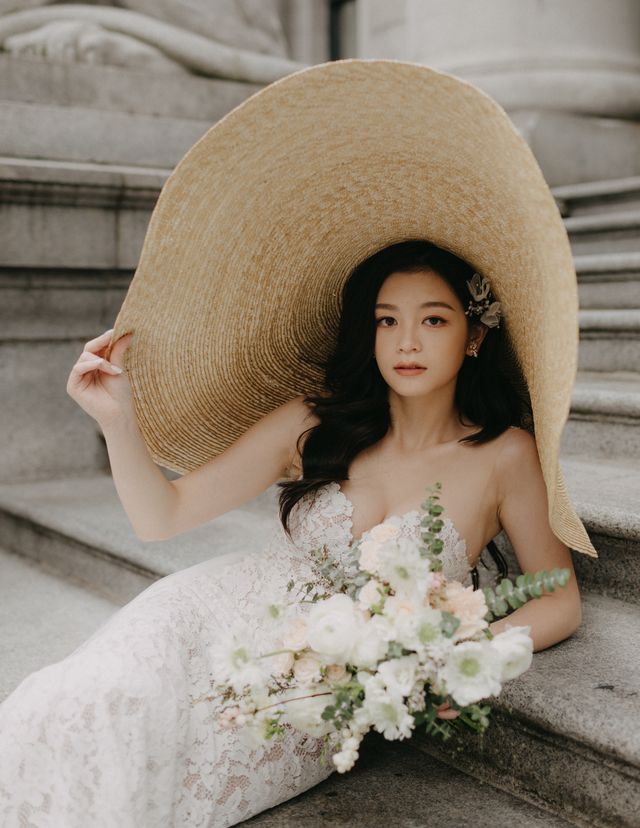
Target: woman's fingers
<point x="89" y="362"/>
<point x="99" y="342"/>
<point x="448" y="714"/>
<point x="445" y="711"/>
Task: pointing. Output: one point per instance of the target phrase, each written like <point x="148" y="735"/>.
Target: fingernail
<point x="117" y="369"/>
<point x="111" y="330"/>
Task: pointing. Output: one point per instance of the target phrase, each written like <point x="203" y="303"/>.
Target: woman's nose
<point x="409" y="341"/>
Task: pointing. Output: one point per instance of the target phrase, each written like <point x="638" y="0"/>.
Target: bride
<point x="113" y="735"/>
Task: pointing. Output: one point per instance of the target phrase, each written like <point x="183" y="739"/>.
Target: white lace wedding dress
<point x="111" y="736"/>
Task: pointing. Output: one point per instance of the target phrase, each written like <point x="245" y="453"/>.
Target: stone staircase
<point x="564" y="744"/>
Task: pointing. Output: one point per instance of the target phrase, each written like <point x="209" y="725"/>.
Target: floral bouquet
<point x="379" y="641"/>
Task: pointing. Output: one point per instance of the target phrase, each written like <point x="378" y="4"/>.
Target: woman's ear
<point x="478" y="332"/>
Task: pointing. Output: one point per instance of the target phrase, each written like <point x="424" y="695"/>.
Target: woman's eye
<point x="435" y="317"/>
<point x="382" y="319"/>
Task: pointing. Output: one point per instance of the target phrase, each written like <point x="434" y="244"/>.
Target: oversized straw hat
<point x="259" y="225"/>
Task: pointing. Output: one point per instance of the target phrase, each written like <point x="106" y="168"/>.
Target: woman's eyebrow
<point x="423" y="305"/>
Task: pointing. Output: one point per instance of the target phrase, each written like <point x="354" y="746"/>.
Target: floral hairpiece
<point x="483" y="303"/>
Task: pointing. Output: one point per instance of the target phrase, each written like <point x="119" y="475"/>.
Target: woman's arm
<point x="522" y="512"/>
<point x="159" y="509"/>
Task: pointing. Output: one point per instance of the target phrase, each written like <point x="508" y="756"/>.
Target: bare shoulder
<point x="515" y="445"/>
<point x="518" y="468"/>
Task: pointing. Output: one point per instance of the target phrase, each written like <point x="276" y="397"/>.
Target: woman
<point x="113" y="734"/>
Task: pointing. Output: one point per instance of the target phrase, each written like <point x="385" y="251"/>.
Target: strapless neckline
<point x="447" y="521"/>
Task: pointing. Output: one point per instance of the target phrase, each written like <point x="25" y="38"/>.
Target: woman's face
<point x="420" y="320"/>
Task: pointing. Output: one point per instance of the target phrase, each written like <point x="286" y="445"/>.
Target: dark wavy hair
<point x="354" y="410"/>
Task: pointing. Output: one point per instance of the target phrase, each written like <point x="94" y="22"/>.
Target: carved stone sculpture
<point x="235" y="39"/>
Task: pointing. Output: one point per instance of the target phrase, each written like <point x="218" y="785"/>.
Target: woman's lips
<point x="408" y="372"/>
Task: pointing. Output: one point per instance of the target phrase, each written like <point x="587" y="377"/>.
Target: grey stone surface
<point x="572" y="148"/>
<point x="605" y="416"/>
<point x="113" y="89"/>
<point x="608" y="280"/>
<point x="44" y="432"/>
<point x="43" y="617"/>
<point x="392" y="784"/>
<point x="79" y="527"/>
<point x="604" y="231"/>
<point x="606" y="495"/>
<point x="598" y="196"/>
<point x="82" y="134"/>
<point x="609" y="340"/>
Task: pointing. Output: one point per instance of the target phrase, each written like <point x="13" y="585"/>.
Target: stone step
<point x="609" y="339"/>
<point x="597" y="197"/>
<point x="566" y="732"/>
<point x="602" y="232"/>
<point x="608" y="280"/>
<point x="606" y="497"/>
<point x="75" y="215"/>
<point x="395" y="784"/>
<point x="45" y="617"/>
<point x="605" y="416"/>
<point x="77" y="526"/>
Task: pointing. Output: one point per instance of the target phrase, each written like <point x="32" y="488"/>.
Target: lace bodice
<point x="325" y="517"/>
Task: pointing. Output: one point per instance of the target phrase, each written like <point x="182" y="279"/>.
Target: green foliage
<point x="527" y="586"/>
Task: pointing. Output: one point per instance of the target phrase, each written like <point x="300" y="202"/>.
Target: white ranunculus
<point x="372" y="642"/>
<point x="514" y="646"/>
<point x="399" y="674"/>
<point x="333" y="626"/>
<point x="472" y="672"/>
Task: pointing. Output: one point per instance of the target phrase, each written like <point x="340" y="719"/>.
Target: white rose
<point x="370" y="593"/>
<point x="336" y="673"/>
<point x="281" y="664"/>
<point x="383" y="532"/>
<point x="307" y="669"/>
<point x="295" y="634"/>
<point x="469" y="605"/>
<point x="333" y="626"/>
<point x="368" y="560"/>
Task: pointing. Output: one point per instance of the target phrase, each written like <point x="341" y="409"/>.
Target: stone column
<point x="566" y="71"/>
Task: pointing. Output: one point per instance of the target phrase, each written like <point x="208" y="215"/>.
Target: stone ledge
<point x="115" y="89"/>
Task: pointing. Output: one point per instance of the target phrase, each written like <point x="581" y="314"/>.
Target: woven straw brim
<point x="259" y="225"/>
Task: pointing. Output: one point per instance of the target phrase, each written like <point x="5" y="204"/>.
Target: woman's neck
<point x="421" y="423"/>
